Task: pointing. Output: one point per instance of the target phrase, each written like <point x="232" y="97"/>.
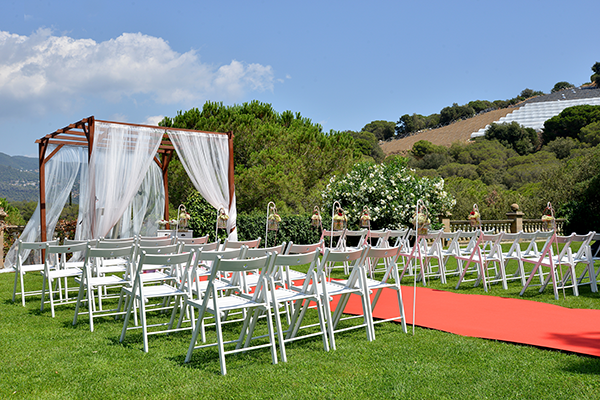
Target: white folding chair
<point x="448" y="246"/>
<point x="430" y="246"/>
<point x="381" y="238"/>
<point x="344" y="289"/>
<point x="390" y="279"/>
<point x="90" y="282"/>
<point x="512" y="254"/>
<point x="218" y="304"/>
<point x="555" y="265"/>
<point x="24" y="253"/>
<point x="57" y="269"/>
<point x="484" y="252"/>
<point x="374" y="265"/>
<point x="187" y="246"/>
<point x="584" y="256"/>
<point x="195" y="282"/>
<point x="250" y="244"/>
<point x="354" y="239"/>
<point x="292" y="248"/>
<point x="193" y="241"/>
<point x="295" y="296"/>
<point x="143" y="290"/>
<point x="332" y="239"/>
<point x="250" y="278"/>
<point x="155" y="241"/>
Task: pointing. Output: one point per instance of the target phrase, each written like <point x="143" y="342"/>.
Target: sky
<point x="342" y="64"/>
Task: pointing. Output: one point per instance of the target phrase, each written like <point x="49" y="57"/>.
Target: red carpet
<point x="499" y="318"/>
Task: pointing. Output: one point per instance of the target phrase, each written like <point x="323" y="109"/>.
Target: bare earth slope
<point x="457" y="132"/>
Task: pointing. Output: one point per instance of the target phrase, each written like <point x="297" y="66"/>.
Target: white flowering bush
<point x="390" y="190"/>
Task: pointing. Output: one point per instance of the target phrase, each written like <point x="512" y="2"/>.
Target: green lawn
<point x="46" y="358"/>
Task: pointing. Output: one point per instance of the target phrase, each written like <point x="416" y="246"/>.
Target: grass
<point x="48" y="358"/>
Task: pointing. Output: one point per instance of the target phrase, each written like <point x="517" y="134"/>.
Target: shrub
<point x="390" y="190"/>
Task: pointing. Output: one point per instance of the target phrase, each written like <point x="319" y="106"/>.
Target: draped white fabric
<point x="121" y="190"/>
<point x="147" y="207"/>
<point x="120" y="159"/>
<point x="205" y="157"/>
<point x="61" y="171"/>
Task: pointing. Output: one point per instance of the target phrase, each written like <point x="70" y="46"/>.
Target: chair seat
<point x="283" y="295"/>
<point x="340" y="287"/>
<point x="32" y="267"/>
<point x="63" y="273"/>
<point x="107" y="280"/>
<point x="296" y="275"/>
<point x="374" y="284"/>
<point x="163" y="290"/>
<point x="227" y="303"/>
<point x="219" y="285"/>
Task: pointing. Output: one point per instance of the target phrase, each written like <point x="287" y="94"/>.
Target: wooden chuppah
<point x="81" y="133"/>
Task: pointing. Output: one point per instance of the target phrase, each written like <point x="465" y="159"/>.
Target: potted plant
<point x="162" y="224"/>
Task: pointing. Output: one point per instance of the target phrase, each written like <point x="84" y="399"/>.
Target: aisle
<point x="499" y="318"/>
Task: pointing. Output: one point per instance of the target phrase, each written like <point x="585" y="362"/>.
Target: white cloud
<point x="42" y="73"/>
<point x="153" y="120"/>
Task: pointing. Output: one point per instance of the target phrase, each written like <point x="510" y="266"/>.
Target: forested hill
<point x="18" y="178"/>
<point x="19" y="162"/>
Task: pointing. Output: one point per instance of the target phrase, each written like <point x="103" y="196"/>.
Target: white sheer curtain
<point x="205" y="157"/>
<point x="60" y="171"/>
<point x="120" y="159"/>
<point x="148" y="206"/>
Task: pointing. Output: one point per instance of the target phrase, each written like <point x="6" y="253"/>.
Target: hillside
<point x="457" y="132"/>
<point x="18" y="178"/>
<point x="19" y="162"/>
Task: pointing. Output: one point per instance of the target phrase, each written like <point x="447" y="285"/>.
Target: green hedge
<point x="296" y="228"/>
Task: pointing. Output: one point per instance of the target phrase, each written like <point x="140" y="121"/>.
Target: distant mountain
<point x="19" y="162"/>
<point x="19" y="178"/>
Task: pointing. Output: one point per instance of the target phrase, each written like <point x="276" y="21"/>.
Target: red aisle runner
<point x="499" y="318"/>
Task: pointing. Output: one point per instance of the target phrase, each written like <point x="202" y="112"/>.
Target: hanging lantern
<point x="421" y="221"/>
<point x="548" y="220"/>
<point x="222" y="219"/>
<point x="315" y="220"/>
<point x="273" y="219"/>
<point x="474" y="217"/>
<point x="184" y="219"/>
<point x="365" y="218"/>
<point x="339" y="220"/>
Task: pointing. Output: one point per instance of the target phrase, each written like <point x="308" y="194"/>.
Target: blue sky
<point x="342" y="64"/>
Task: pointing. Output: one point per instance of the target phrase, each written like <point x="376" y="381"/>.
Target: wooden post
<point x="42" y="163"/>
<point x="231" y="172"/>
<point x="2" y="217"/>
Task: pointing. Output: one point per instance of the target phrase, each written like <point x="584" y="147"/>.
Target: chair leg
<point x="43" y="293"/>
<point x="220" y="343"/>
<point x="17" y="274"/>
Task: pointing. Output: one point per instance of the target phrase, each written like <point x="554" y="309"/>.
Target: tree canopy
<point x="382" y="130"/>
<point x="282" y="157"/>
<point x="514" y="136"/>
<point x="596" y="75"/>
<point x="570" y="121"/>
<point x="561" y="86"/>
